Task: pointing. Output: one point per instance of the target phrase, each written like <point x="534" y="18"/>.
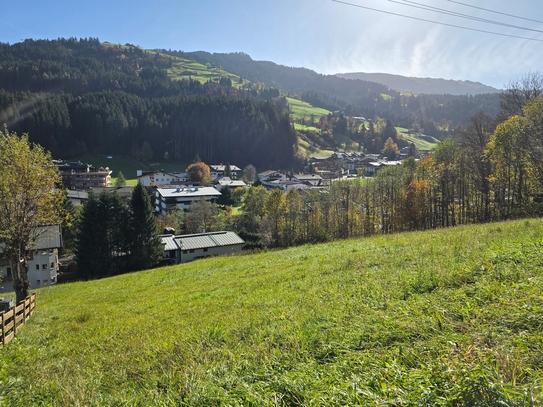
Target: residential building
<point x="79" y="176"/>
<point x="43" y="265"/>
<point x="183" y="248"/>
<point x="217" y="171"/>
<point x="182" y="197"/>
<point x="161" y="177"/>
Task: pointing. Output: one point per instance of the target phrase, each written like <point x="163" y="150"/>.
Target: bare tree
<point x="518" y="93"/>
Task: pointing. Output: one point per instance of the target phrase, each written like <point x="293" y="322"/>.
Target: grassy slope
<point x="422" y="141"/>
<point x="301" y="110"/>
<point x="446" y="317"/>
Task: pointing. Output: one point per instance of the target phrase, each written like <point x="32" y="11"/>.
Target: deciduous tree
<point x="27" y="200"/>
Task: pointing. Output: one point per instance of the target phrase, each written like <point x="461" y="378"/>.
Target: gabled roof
<point x="50" y="237"/>
<point x="222" y="167"/>
<point x="201" y="240"/>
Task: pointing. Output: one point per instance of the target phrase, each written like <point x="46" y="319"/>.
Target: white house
<point x="217" y="171"/>
<point x="309" y="179"/>
<point x="43" y="262"/>
<point x="182" y="197"/>
<point x="156" y="178"/>
<point x="183" y="248"/>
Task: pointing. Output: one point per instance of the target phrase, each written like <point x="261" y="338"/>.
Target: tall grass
<point x="445" y="318"/>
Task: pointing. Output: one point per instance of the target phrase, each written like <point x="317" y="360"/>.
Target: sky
<point x="403" y="37"/>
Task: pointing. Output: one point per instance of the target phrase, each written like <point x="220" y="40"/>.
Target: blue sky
<point x="323" y="35"/>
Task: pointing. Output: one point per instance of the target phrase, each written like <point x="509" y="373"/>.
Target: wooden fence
<point x="13" y="320"/>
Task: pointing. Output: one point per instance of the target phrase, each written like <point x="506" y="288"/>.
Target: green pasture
<point x="303" y="110"/>
<point x="423" y="142"/>
<point x="448" y="317"/>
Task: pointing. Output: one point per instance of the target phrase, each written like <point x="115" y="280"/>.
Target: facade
<point x="79" y="176"/>
<point x="43" y="265"/>
<point x="217" y="171"/>
<point x="182" y="197"/>
<point x="157" y="178"/>
<point x="184" y="248"/>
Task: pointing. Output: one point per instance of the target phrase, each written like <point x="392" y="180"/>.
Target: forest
<point x="73" y="96"/>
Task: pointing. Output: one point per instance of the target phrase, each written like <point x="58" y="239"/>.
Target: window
<point x="52" y="264"/>
<point x="44" y="266"/>
<point x="192" y="250"/>
<point x="38" y="283"/>
<point x="43" y="252"/>
<point x="185" y="251"/>
<point x="37" y="266"/>
<point x="8" y="271"/>
<point x="205" y="249"/>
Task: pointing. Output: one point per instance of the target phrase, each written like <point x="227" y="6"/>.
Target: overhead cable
<point x="436" y="22"/>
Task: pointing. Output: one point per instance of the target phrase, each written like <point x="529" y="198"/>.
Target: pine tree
<point x="145" y="244"/>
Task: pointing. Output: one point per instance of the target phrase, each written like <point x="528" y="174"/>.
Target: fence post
<point x="3" y="328"/>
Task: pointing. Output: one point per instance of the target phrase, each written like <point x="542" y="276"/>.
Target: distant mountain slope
<point x="422" y="85"/>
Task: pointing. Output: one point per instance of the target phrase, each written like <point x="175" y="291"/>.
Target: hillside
<point x="434" y="86"/>
<point x="448" y="317"/>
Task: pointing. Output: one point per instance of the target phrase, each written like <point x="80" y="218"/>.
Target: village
<point x="169" y="190"/>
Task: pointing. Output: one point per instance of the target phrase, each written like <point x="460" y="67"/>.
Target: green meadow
<point x="448" y="317"/>
<point x="421" y="141"/>
<point x="303" y="110"/>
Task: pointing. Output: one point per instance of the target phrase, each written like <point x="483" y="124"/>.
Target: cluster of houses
<point x="174" y="189"/>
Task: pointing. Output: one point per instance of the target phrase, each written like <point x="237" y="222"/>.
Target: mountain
<point x="415" y="85"/>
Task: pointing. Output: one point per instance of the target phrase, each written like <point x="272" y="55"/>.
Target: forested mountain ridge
<point x="416" y="85"/>
<point x="353" y="97"/>
<point x="78" y="95"/>
<point x="74" y="96"/>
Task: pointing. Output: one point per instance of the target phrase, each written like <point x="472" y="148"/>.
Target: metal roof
<point x="203" y="240"/>
<point x="169" y="242"/>
<point x="50" y="237"/>
<point x="187" y="192"/>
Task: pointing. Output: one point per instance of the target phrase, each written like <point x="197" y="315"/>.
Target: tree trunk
<point x="21" y="284"/>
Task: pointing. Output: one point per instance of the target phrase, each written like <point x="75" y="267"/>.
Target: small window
<point x="54" y="280"/>
<point x="43" y="252"/>
<point x="37" y="266"/>
<point x="52" y="264"/>
<point x="192" y="250"/>
<point x="185" y="251"/>
<point x="8" y="271"/>
<point x="38" y="283"/>
<point x="205" y="249"/>
<point x="44" y="266"/>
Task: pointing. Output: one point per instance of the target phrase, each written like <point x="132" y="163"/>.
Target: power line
<point x="496" y="12"/>
<point x="461" y="15"/>
<point x="436" y="22"/>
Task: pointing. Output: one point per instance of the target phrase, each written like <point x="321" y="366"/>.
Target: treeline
<point x="73" y="96"/>
<point x="491" y="172"/>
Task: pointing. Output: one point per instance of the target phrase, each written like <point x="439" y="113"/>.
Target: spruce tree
<point x="145" y="244"/>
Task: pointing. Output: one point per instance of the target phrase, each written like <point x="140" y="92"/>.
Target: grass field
<point x="303" y="110"/>
<point x="449" y="317"/>
<point x="420" y="140"/>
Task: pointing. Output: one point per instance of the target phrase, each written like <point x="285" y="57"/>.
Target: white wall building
<point x="156" y="178"/>
<point x="182" y="197"/>
<point x="43" y="265"/>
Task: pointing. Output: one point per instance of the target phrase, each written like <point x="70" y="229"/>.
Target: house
<point x="161" y="177"/>
<point x="76" y="175"/>
<point x="217" y="171"/>
<point x="77" y="197"/>
<point x="183" y="248"/>
<point x="267" y="178"/>
<point x="43" y="265"/>
<point x="232" y="184"/>
<point x="182" y="197"/>
<point x="287" y="185"/>
<point x="313" y="180"/>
